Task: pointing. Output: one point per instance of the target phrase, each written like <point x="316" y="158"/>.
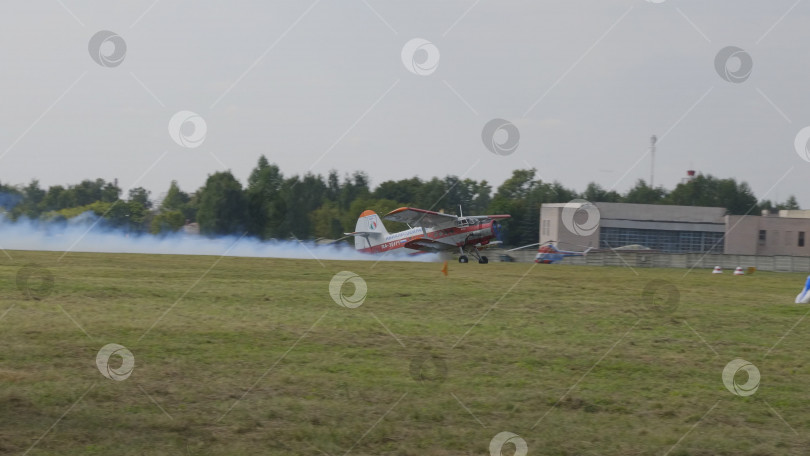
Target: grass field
<point x="253" y="356"/>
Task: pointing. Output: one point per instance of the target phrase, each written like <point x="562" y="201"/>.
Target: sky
<point x="402" y="89"/>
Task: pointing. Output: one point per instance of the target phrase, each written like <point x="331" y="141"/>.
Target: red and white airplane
<point x="428" y="232"/>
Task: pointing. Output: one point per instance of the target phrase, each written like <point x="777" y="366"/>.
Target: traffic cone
<point x="444" y="269"/>
<point x="717" y="270"/>
<point x="739" y="271"/>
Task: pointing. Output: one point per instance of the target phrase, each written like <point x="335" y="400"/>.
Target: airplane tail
<point x="369" y="231"/>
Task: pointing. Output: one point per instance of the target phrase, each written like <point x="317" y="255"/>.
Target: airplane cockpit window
<point x="462" y="222"/>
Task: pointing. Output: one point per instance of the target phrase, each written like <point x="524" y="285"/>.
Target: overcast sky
<point x="320" y="85"/>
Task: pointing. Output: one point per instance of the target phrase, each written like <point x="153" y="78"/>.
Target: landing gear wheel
<point x="463" y="259"/>
<point x="483" y="260"/>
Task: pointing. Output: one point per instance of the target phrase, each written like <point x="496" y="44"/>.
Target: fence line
<point x="777" y="263"/>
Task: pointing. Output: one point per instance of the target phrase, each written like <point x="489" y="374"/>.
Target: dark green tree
<point x="325" y="221"/>
<point x="301" y="197"/>
<point x="790" y="204"/>
<point x="265" y="202"/>
<point x="10" y="196"/>
<point x="405" y="190"/>
<point x="644" y="194"/>
<point x="169" y="221"/>
<point x="432" y="196"/>
<point x="223" y="206"/>
<point x="353" y="188"/>
<point x="596" y="194"/>
<point x="109" y="192"/>
<point x="175" y="198"/>
<point x="333" y="186"/>
<point x="737" y="198"/>
<point x="30" y="204"/>
<point x="140" y="195"/>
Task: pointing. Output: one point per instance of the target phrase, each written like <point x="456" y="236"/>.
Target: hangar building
<point x="673" y="229"/>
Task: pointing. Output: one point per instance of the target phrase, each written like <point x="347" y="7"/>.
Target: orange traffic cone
<point x="444" y="268"/>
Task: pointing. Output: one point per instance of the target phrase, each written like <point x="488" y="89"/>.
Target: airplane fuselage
<point x="452" y="237"/>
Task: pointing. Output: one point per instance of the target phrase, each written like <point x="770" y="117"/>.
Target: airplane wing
<point x="486" y="218"/>
<point x="427" y="245"/>
<point x="420" y="217"/>
<point x="356" y="233"/>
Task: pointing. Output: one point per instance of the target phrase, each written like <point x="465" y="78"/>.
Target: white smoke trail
<point x="76" y="235"/>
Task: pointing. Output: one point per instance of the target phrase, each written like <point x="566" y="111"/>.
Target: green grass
<point x="569" y="358"/>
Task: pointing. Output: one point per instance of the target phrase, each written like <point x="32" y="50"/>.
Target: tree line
<point x="274" y="206"/>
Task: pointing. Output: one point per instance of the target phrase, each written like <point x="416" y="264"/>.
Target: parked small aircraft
<point x="549" y="254"/>
<point x="428" y="231"/>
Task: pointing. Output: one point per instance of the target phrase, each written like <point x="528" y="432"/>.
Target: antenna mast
<point x="653" y="140"/>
